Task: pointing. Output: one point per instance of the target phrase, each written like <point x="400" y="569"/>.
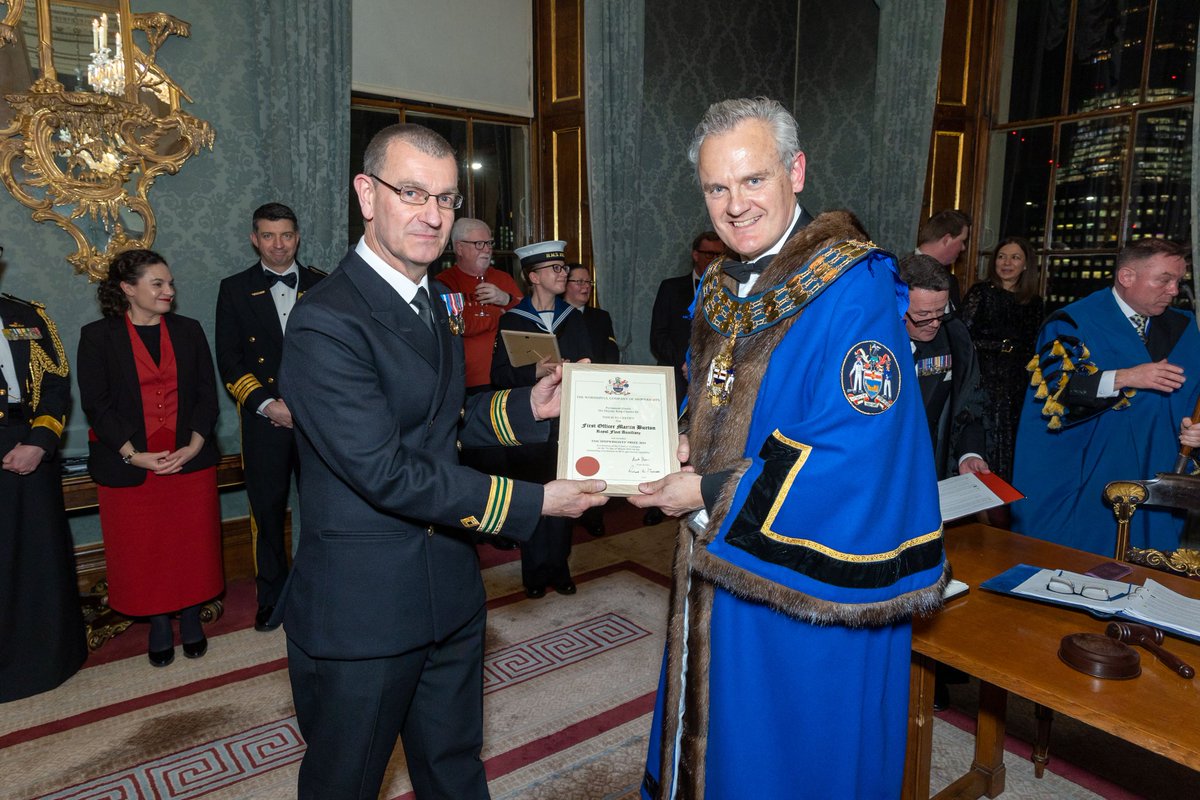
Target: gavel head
<point x="1131" y="632"/>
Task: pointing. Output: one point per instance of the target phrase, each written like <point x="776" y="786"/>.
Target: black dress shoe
<point x="262" y="620"/>
<point x="534" y="594"/>
<point x="566" y="588"/>
<point x="196" y="649"/>
<point x="941" y="696"/>
<point x="653" y="516"/>
<point x="160" y="658"/>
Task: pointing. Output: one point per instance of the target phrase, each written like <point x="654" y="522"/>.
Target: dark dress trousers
<point x="42" y="639"/>
<point x="384" y="607"/>
<point x="249" y="346"/>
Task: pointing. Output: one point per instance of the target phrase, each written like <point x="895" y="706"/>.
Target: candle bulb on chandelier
<point x="104" y="30"/>
<point x="95" y="36"/>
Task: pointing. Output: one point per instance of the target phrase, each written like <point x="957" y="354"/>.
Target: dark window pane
<point x="1160" y="193"/>
<point x="1076" y="277"/>
<point x="1173" y="58"/>
<point x="1039" y="47"/>
<point x="1087" y="187"/>
<point x="1026" y="176"/>
<point x="1110" y="38"/>
<point x="500" y="189"/>
<point x="364" y="124"/>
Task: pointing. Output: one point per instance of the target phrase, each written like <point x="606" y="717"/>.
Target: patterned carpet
<point x="569" y="686"/>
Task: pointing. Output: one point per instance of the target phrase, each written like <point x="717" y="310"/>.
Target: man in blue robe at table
<point x="1111" y="381"/>
<point x="813" y="530"/>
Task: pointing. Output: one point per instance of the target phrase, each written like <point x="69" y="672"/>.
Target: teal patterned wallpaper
<point x="203" y="212"/>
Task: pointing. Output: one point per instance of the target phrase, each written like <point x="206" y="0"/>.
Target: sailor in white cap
<point x="544" y="557"/>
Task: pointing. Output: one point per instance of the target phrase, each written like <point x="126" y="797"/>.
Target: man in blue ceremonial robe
<point x="812" y="530"/>
<point x="1110" y="385"/>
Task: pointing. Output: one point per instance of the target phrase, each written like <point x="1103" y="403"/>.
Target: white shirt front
<point x="283" y="295"/>
<point x="8" y="368"/>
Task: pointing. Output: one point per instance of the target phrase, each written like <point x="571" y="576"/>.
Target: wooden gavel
<point x="1151" y="639"/>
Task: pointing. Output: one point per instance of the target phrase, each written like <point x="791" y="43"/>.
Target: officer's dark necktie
<point x="421" y="301"/>
<point x="1139" y="323"/>
<point x="274" y="278"/>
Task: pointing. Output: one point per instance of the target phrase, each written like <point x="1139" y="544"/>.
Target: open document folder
<point x="1151" y="603"/>
<point x="963" y="495"/>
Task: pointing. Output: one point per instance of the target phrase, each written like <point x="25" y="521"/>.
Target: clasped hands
<point x="166" y="462"/>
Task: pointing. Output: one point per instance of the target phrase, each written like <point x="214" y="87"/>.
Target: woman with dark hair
<point x="147" y="385"/>
<point x="1003" y="314"/>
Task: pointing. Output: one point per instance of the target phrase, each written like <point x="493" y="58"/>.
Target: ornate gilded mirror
<point x="88" y="120"/>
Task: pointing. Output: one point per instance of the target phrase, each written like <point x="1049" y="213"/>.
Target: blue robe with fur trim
<point x="815" y="557"/>
<point x="1070" y="444"/>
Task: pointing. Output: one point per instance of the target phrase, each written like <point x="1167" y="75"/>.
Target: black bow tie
<point x="274" y="278"/>
<point x="739" y="271"/>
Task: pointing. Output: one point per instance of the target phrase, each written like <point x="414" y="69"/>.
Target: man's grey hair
<point x="423" y="139"/>
<point x="463" y="227"/>
<point x="920" y="271"/>
<point x="726" y="115"/>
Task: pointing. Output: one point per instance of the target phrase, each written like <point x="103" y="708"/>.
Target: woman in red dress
<point x="147" y="385"/>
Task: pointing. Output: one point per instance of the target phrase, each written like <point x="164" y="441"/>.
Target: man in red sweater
<point x="488" y="292"/>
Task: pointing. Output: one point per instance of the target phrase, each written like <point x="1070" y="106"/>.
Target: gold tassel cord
<point x="40" y="361"/>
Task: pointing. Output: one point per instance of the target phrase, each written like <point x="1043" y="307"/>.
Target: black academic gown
<point x="42" y="641"/>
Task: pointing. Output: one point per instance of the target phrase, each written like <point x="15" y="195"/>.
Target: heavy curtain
<point x="303" y="66"/>
<point x="614" y="36"/>
<point x="906" y="72"/>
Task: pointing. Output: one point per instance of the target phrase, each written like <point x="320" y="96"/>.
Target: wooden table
<point x="1011" y="645"/>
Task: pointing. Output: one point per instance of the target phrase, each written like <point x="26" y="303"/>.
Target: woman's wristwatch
<point x="129" y="458"/>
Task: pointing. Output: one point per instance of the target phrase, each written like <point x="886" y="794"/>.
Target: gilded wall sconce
<point x="89" y="121"/>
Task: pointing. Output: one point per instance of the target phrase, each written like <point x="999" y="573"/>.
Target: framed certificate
<point x="618" y="423"/>
<point x="530" y="348"/>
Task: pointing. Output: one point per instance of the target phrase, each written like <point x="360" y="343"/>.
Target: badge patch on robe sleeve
<point x="870" y="377"/>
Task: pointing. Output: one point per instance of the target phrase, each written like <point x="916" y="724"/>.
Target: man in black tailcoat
<point x="252" y="314"/>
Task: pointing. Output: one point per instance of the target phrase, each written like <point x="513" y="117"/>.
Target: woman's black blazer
<point x="111" y="396"/>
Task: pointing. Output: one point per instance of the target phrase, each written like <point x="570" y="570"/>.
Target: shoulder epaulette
<point x="320" y="272"/>
<point x="30" y="303"/>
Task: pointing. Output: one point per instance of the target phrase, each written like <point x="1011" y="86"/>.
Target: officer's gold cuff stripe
<point x="242" y="387"/>
<point x="499" y="499"/>
<point x="47" y="421"/>
<point x="500" y="423"/>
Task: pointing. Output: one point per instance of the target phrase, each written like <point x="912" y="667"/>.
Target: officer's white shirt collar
<point x="395" y="278"/>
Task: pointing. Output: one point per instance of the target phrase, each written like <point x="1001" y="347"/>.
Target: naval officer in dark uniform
<point x="252" y="314"/>
<point x="42" y="640"/>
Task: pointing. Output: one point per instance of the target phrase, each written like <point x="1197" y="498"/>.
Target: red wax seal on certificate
<point x="587" y="466"/>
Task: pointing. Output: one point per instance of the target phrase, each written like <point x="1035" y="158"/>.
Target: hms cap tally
<point x="540" y="252"/>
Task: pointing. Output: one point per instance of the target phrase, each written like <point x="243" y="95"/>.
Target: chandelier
<point x="106" y="73"/>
